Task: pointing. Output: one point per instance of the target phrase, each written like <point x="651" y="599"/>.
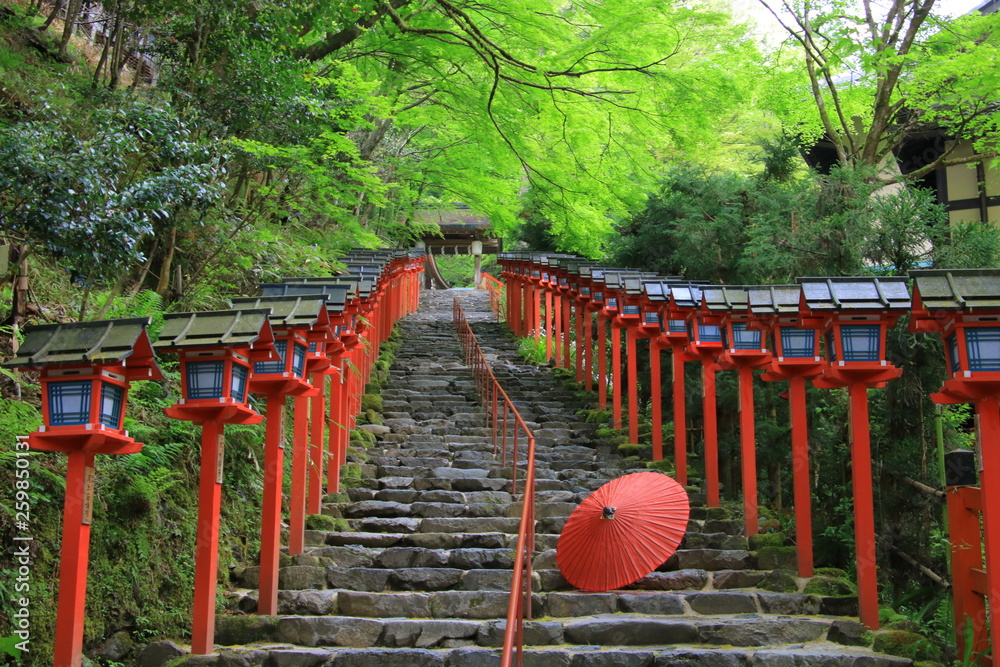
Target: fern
<point x="152" y="457"/>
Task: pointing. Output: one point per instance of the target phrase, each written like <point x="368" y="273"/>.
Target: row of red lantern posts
<point x="728" y="327"/>
<point x="285" y="343"/>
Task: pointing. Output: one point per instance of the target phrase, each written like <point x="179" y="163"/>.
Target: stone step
<point x="825" y="654"/>
<point x="422" y="624"/>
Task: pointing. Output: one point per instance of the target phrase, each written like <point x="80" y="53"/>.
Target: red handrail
<point x="493" y="398"/>
<point x="497" y="292"/>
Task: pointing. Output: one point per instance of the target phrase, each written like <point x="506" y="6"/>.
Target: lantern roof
<point x="600" y="273"/>
<point x="120" y="342"/>
<point x="887" y="293"/>
<point x="957" y="289"/>
<point x="557" y="261"/>
<point x="576" y="268"/>
<point x="289" y="311"/>
<point x="337" y="295"/>
<point x="774" y="299"/>
<point x="725" y="297"/>
<point x="635" y="285"/>
<point x="218" y="328"/>
<point x="659" y="289"/>
<point x="362" y="285"/>
<point x="686" y="296"/>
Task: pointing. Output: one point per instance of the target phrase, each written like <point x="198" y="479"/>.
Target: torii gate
<point x="462" y="233"/>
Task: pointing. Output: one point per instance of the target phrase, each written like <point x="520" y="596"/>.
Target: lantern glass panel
<point x="982" y="344"/>
<point x="112" y="397"/>
<point x="204" y="379"/>
<point x="745" y="339"/>
<point x="651" y="317"/>
<point x="299" y="359"/>
<point x="678" y="326"/>
<point x="709" y="333"/>
<point x="238" y="385"/>
<point x="612" y="303"/>
<point x="798" y="342"/>
<point x="630" y="310"/>
<point x="585" y="291"/>
<point x="69" y="402"/>
<point x="953" y="360"/>
<point x="273" y="366"/>
<point x="860" y="341"/>
<point x="599" y="296"/>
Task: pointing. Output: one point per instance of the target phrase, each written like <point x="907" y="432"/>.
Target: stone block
<point x="613" y="659"/>
<point x="794" y="604"/>
<point x="630" y="631"/>
<point x="366" y="509"/>
<point x="469" y="604"/>
<point x="678" y="580"/>
<point x="654" y="603"/>
<point x="307" y="602"/>
<point x="328" y="631"/>
<point x="427" y="633"/>
<point x="474" y="559"/>
<point x="300" y="577"/>
<point x="562" y="605"/>
<point x="425" y="578"/>
<point x="358" y="578"/>
<point x="396" y="558"/>
<point x="722" y="602"/>
<point x="385" y="605"/>
<point x="389" y="658"/>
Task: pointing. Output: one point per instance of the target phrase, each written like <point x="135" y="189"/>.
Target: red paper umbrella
<point x="623" y="531"/>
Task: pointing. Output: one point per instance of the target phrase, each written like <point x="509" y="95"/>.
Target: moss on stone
<point x="717" y="514"/>
<point x="780" y="581"/>
<point x="374" y="417"/>
<point x="327" y="523"/>
<point x="905" y="645"/>
<point x="597" y="416"/>
<point x="776" y="558"/>
<point x="362" y="436"/>
<point x="904" y="624"/>
<point x="232" y="630"/>
<point x="641" y="451"/>
<point x="831" y="586"/>
<point x="371" y="402"/>
<point x="830" y="572"/>
<point x="665" y="466"/>
<point x="766" y="540"/>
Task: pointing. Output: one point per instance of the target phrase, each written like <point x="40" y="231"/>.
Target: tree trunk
<point x="163" y="284"/>
<point x="56" y="8"/>
<point x="117" y="55"/>
<point x="72" y="12"/>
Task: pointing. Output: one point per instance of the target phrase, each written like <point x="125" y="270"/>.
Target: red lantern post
<point x="744" y="349"/>
<point x="796" y="358"/>
<point x="86" y="368"/>
<point x="297" y="322"/>
<point x="963" y="306"/>
<point x="629" y="289"/>
<point x="705" y="343"/>
<point x="216" y="350"/>
<point x="856" y="312"/>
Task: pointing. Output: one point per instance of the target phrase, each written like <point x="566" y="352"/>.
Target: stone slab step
<point x="818" y="654"/>
<point x="609" y="631"/>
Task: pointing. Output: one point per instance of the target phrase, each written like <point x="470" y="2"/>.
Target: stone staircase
<point x="421" y="574"/>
